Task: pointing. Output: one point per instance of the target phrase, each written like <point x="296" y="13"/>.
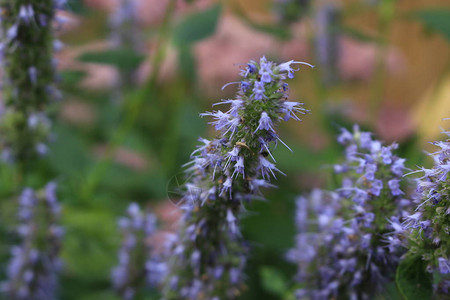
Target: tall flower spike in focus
<point x="33" y="270"/>
<point x="27" y="44"/>
<point x="139" y="266"/>
<point x="428" y="227"/>
<point x="209" y="254"/>
<point x="356" y="251"/>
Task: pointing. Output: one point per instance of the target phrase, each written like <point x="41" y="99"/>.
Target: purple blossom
<point x="444" y="265"/>
<point x="370" y="171"/>
<point x="265" y="123"/>
<point x="265" y="70"/>
<point x="394" y="185"/>
<point x="398" y="167"/>
<point x="286" y="67"/>
<point x="377" y="186"/>
<point x="26" y="13"/>
<point x="289" y="109"/>
<point x="259" y="90"/>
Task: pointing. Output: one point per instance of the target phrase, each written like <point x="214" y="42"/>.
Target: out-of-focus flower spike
<point x="139" y="265"/>
<point x="352" y="252"/>
<point x="35" y="264"/>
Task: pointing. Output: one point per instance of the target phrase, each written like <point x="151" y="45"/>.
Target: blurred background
<point x="136" y="74"/>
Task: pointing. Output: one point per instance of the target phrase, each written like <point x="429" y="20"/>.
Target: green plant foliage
<point x="124" y="59"/>
<point x="435" y="19"/>
<point x="72" y="77"/>
<point x="77" y="6"/>
<point x="197" y="26"/>
<point x="273" y="281"/>
<point x="89" y="248"/>
<point x="68" y="145"/>
<point x="412" y="279"/>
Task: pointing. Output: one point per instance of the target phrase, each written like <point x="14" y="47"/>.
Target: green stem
<point x="386" y="11"/>
<point x="134" y="108"/>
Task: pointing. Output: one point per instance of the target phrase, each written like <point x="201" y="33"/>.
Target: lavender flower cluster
<point x="139" y="265"/>
<point x="209" y="254"/>
<point x="34" y="267"/>
<point x="428" y="228"/>
<point x="352" y="253"/>
<point x="27" y="47"/>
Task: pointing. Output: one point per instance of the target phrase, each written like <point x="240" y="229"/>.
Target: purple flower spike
<point x="224" y="174"/>
<point x="351" y="244"/>
<point x="428" y="228"/>
<point x="34" y="266"/>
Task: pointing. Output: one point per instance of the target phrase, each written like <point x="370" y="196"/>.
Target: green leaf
<point x="435" y="19"/>
<point x="187" y="64"/>
<point x="124" y="59"/>
<point x="70" y="77"/>
<point x="197" y="26"/>
<point x="275" y="30"/>
<point x="413" y="281"/>
<point x="70" y="155"/>
<point x="77" y="7"/>
<point x="273" y="281"/>
<point x="89" y="249"/>
<point x="356" y="34"/>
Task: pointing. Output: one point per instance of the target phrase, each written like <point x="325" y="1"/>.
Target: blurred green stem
<point x="133" y="108"/>
<point x="321" y="92"/>
<point x="386" y="14"/>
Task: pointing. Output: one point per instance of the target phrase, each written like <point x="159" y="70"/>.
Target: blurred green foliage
<point x="437" y="20"/>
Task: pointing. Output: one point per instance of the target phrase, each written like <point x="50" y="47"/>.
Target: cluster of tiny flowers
<point x="209" y="254"/>
<point x="316" y="216"/>
<point x="139" y="265"/>
<point x="354" y="253"/>
<point x="428" y="227"/>
<point x="27" y="47"/>
<point x="34" y="266"/>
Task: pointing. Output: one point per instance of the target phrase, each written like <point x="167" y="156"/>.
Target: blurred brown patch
<point x="77" y="112"/>
<point x="358" y="60"/>
<point x="98" y="76"/>
<point x="126" y="157"/>
<point x="394" y="123"/>
<point x="108" y="5"/>
<point x="167" y="69"/>
<point x="168" y="213"/>
<point x="234" y="43"/>
<point x="150" y="12"/>
<point x="66" y="22"/>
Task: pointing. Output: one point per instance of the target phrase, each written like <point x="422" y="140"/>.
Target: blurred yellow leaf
<point x="431" y="109"/>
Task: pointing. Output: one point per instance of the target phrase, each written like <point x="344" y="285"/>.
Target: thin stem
<point x="134" y="108"/>
<point x="386" y="16"/>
